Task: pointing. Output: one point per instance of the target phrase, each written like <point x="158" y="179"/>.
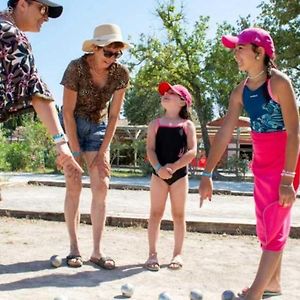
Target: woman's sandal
<point x="152" y="264"/>
<point x="104" y="262"/>
<point x="267" y="294"/>
<point x="176" y="263"/>
<point x="74" y="261"/>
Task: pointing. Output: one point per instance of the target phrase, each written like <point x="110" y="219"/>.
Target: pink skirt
<point x="273" y="221"/>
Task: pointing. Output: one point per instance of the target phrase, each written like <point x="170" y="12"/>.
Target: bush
<point x="4" y="166"/>
<point x="34" y="150"/>
<point x="238" y="165"/>
<point x="16" y="156"/>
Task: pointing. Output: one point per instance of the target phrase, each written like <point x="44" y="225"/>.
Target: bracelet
<point x="288" y="174"/>
<point x="59" y="138"/>
<point x="286" y="185"/>
<point x="76" y="153"/>
<point x="207" y="174"/>
<point x="157" y="167"/>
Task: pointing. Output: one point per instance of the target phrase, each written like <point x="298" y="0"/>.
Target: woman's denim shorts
<point x="90" y="135"/>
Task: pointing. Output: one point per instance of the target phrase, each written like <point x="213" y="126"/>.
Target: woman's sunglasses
<point x="109" y="54"/>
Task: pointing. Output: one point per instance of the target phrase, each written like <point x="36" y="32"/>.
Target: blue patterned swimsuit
<point x="265" y="114"/>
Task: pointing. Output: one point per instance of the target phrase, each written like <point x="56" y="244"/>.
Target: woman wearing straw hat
<point x="21" y="88"/>
<point x="92" y="84"/>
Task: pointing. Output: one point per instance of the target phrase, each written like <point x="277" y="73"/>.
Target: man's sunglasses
<point x="109" y="54"/>
<point x="44" y="9"/>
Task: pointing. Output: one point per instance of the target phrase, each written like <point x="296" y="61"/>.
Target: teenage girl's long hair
<point x="269" y="64"/>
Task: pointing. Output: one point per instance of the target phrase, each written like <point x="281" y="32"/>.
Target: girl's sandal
<point x="176" y="263"/>
<point x="152" y="263"/>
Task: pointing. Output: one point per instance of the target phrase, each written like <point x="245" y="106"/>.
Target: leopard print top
<point x="92" y="101"/>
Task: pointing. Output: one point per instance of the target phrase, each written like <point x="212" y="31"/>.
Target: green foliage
<point x="282" y="19"/>
<point x="238" y="165"/>
<point x="185" y="56"/>
<point x="117" y="149"/>
<point x="3" y="150"/>
<point x="16" y="156"/>
<point x="33" y="151"/>
<point x="42" y="153"/>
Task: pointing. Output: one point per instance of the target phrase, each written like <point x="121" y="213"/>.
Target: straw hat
<point x="104" y="35"/>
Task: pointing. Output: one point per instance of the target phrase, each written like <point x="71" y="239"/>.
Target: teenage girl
<point x="268" y="97"/>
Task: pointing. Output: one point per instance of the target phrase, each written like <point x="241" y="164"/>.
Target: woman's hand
<point x="205" y="189"/>
<point x="101" y="162"/>
<point x="67" y="162"/>
<point x="287" y="195"/>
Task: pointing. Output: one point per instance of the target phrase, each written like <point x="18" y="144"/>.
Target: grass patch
<point x="125" y="173"/>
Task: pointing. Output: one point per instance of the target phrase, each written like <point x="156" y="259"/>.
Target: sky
<point x="60" y="40"/>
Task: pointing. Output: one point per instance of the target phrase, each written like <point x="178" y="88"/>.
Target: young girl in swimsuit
<point x="171" y="146"/>
<point x="267" y="96"/>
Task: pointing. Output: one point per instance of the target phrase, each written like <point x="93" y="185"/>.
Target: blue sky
<point x="60" y="40"/>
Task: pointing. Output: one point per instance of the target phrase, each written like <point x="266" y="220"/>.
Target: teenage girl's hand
<point x="101" y="161"/>
<point x="67" y="162"/>
<point x="287" y="195"/>
<point x="165" y="172"/>
<point x="205" y="189"/>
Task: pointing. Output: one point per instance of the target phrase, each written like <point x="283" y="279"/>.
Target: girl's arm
<point x="283" y="91"/>
<point x="220" y="142"/>
<point x="69" y="103"/>
<point x="187" y="157"/>
<point x="224" y="135"/>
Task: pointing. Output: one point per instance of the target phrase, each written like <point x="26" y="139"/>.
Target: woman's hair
<point x="184" y="113"/>
<point x="12" y="3"/>
<point x="269" y="64"/>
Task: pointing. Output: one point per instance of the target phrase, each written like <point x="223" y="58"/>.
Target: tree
<point x="182" y="56"/>
<point x="282" y="19"/>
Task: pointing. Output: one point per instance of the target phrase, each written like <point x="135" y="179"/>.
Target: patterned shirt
<point x="92" y="100"/>
<point x="19" y="77"/>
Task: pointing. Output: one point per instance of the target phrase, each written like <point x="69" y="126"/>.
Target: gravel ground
<point x="212" y="264"/>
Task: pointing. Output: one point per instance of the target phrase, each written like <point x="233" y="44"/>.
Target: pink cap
<point x="256" y="36"/>
<point x="178" y="89"/>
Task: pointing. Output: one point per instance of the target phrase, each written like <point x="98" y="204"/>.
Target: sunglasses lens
<point x="109" y="54"/>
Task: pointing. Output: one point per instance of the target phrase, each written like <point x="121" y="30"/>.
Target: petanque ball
<point x="60" y="298"/>
<point x="228" y="295"/>
<point x="127" y="290"/>
<point x="164" y="296"/>
<point x="196" y="295"/>
<point x="55" y="261"/>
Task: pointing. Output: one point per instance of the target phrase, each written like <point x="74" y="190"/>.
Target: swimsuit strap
<point x="184" y="125"/>
<point x="157" y="124"/>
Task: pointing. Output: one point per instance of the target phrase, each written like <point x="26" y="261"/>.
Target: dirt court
<point x="212" y="264"/>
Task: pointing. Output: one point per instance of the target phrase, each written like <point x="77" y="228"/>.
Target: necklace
<point x="257" y="75"/>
